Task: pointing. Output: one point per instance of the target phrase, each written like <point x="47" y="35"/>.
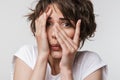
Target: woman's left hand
<point x="69" y="46"/>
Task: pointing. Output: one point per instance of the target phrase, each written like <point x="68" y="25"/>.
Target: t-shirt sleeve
<point x="92" y="62"/>
<point x="25" y="55"/>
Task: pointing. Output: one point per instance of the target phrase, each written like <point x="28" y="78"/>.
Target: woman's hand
<point x="69" y="46"/>
<point x="41" y="35"/>
<point x="69" y="49"/>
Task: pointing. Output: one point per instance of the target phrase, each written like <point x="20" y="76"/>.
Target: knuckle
<point x="75" y="48"/>
<point x="72" y="50"/>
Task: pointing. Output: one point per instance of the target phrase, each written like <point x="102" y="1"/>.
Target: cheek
<point x="70" y="32"/>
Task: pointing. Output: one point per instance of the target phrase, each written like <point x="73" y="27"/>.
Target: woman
<point x="60" y="28"/>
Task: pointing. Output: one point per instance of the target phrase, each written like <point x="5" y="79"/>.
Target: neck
<point x="54" y="64"/>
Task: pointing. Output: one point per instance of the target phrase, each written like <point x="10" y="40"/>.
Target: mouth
<point x="55" y="47"/>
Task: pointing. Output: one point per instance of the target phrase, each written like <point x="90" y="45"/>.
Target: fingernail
<point x="47" y="9"/>
<point x="44" y="15"/>
<point x="79" y="20"/>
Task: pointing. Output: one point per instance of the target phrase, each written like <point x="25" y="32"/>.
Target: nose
<point x="53" y="33"/>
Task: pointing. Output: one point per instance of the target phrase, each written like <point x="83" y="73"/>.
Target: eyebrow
<point x="62" y="19"/>
<point x="49" y="18"/>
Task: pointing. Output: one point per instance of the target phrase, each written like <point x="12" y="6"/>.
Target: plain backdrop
<point x="15" y="32"/>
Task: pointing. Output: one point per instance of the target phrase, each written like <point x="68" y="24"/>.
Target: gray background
<point x="15" y="32"/>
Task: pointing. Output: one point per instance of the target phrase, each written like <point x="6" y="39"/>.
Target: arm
<point x="97" y="75"/>
<point x="66" y="74"/>
<point x="24" y="72"/>
<point x="39" y="71"/>
<point x="20" y="68"/>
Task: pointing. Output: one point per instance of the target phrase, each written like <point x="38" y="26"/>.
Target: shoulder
<point x="27" y="47"/>
<point x="89" y="62"/>
<point x="28" y="54"/>
<point x="87" y="56"/>
<point x="27" y="50"/>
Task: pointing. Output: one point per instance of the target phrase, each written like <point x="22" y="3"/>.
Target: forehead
<point x="56" y="13"/>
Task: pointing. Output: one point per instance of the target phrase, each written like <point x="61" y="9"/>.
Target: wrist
<point x="66" y="67"/>
<point x="66" y="70"/>
<point x="66" y="74"/>
<point x="43" y="54"/>
<point x="42" y="58"/>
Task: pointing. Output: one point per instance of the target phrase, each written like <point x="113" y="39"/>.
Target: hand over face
<point x="69" y="46"/>
<point x="41" y="35"/>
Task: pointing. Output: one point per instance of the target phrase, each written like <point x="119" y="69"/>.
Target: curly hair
<point x="71" y="9"/>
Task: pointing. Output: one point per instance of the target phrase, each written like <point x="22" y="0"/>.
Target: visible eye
<point x="66" y="24"/>
<point x="48" y="24"/>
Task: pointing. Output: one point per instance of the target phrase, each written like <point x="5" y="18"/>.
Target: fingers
<point x="76" y="38"/>
<point x="48" y="12"/>
<point x="65" y="41"/>
<point x="61" y="42"/>
<point x="40" y="22"/>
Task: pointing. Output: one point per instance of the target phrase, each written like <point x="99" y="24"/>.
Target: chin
<point x="56" y="54"/>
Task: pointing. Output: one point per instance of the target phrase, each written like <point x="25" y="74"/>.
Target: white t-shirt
<point x="86" y="62"/>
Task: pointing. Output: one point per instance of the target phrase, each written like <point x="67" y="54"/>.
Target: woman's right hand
<point x="41" y="35"/>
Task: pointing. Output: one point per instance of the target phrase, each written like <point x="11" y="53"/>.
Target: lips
<point x="55" y="47"/>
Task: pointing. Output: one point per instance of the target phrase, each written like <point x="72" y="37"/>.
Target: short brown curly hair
<point x="71" y="9"/>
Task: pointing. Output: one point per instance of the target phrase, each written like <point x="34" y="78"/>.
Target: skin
<point x="56" y="31"/>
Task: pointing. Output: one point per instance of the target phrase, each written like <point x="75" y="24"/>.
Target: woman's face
<point x="56" y="19"/>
